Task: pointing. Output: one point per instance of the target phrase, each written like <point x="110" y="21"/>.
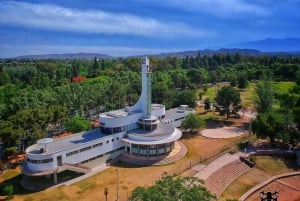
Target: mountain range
<point x="270" y="45"/>
<point x="266" y="46"/>
<point x="80" y="55"/>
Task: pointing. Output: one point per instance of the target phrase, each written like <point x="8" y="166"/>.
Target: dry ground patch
<point x="265" y="167"/>
<point x="130" y="176"/>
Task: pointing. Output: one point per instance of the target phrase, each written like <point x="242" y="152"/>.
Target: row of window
<point x="108" y="130"/>
<point x="153" y="149"/>
<point x="48" y="160"/>
<point x="88" y="148"/>
<point x="99" y="156"/>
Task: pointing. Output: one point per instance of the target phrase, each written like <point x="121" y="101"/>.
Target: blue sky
<point x="121" y="28"/>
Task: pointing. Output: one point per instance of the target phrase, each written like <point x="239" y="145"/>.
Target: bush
<point x="11" y="151"/>
<point x="9" y="190"/>
<point x="77" y="124"/>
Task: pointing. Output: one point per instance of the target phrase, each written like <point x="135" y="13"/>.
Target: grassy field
<point x="248" y="95"/>
<point x="265" y="167"/>
<point x="283" y="87"/>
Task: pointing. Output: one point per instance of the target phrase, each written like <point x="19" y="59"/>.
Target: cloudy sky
<point x="129" y="27"/>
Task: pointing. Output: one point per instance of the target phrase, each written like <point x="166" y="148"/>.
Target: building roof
<point x="66" y="142"/>
<point x="163" y="134"/>
<point x="176" y="112"/>
<point x="126" y="111"/>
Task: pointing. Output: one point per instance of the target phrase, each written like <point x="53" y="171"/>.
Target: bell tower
<point x="145" y="101"/>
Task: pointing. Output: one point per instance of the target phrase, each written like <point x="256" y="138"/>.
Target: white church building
<point x="144" y="129"/>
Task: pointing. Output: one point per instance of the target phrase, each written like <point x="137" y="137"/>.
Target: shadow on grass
<point x="16" y="183"/>
<point x="189" y="135"/>
<point x="290" y="161"/>
<point x="36" y="183"/>
<point x="213" y="123"/>
<point x="126" y="165"/>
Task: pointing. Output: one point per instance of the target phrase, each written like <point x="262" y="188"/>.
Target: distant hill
<point x="209" y="52"/>
<point x="66" y="56"/>
<point x="290" y="45"/>
<point x="253" y="48"/>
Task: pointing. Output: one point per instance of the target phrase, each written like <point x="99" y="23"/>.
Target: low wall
<point x="259" y="186"/>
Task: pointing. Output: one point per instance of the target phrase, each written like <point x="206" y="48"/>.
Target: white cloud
<point x="220" y="8"/>
<point x="45" y="16"/>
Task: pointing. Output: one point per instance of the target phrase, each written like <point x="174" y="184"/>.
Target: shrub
<point x="9" y="190"/>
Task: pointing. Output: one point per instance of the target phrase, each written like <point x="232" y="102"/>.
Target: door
<point x="59" y="161"/>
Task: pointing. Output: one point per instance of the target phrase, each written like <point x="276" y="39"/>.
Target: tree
<point x="228" y="98"/>
<point x="243" y="82"/>
<point x="288" y="101"/>
<point x="173" y="188"/>
<point x="192" y="122"/>
<point x="207" y="104"/>
<point x="274" y="126"/>
<point x="197" y="76"/>
<point x="10" y="134"/>
<point x="185" y="97"/>
<point x="59" y="114"/>
<point x="77" y="124"/>
<point x="265" y="96"/>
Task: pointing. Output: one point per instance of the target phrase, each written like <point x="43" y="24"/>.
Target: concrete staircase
<point x="219" y="180"/>
<point x="75" y="168"/>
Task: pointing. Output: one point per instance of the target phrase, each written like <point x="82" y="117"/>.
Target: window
<point x="143" y="150"/>
<point x="48" y="160"/>
<point x="72" y="153"/>
<point x="161" y="149"/>
<point x="85" y="149"/>
<point x="112" y="140"/>
<point x="106" y="130"/>
<point x="107" y="142"/>
<point x="97" y="145"/>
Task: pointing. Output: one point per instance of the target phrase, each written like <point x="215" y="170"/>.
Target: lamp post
<point x="117" y="172"/>
<point x="106" y="193"/>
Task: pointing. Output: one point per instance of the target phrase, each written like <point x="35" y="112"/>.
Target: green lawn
<point x="248" y="95"/>
<point x="211" y="92"/>
<point x="283" y="87"/>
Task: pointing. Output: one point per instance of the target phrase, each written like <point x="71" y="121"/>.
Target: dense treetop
<point x="87" y="87"/>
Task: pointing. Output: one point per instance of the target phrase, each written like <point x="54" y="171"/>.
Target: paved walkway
<point x="215" y="165"/>
<point x="223" y="132"/>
